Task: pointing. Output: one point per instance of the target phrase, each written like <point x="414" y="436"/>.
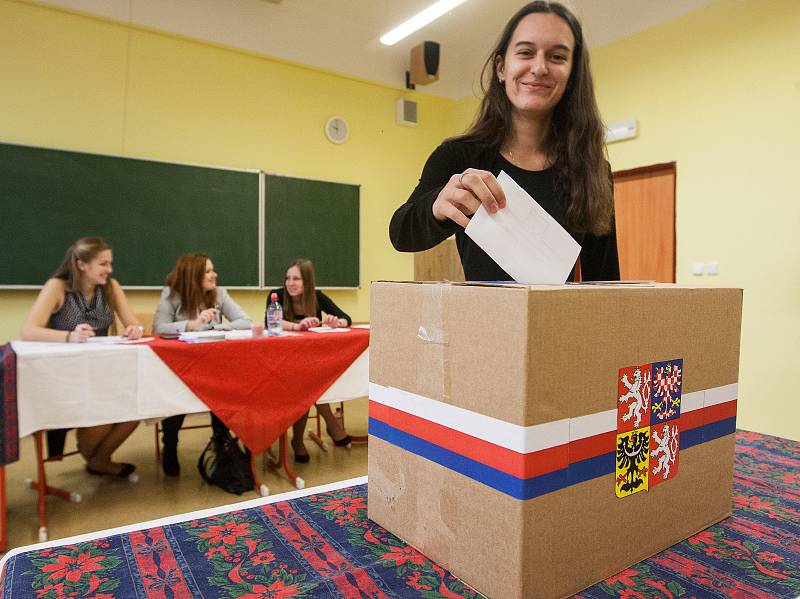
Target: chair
<point x="41" y="486"/>
<point x="158" y="430"/>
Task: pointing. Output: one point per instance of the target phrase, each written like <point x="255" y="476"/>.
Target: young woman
<point x="539" y="122"/>
<point x="303" y="307"/>
<point x="191" y="301"/>
<point x="78" y="302"/>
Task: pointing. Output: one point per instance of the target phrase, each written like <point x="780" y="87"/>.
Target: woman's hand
<point x="203" y="319"/>
<point x="134" y="331"/>
<point x="464" y="193"/>
<point x="81" y="333"/>
<point x="334" y="322"/>
<point x="307" y="323"/>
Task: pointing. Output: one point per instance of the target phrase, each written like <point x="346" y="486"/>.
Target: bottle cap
<point x="273" y="297"/>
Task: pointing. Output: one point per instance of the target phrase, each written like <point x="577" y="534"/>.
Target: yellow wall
<point x="718" y="92"/>
<point x="75" y="82"/>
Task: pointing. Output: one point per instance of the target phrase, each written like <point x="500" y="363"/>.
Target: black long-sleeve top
<point x="414" y="228"/>
<point x="324" y="304"/>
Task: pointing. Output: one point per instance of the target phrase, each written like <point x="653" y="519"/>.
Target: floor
<point x="109" y="503"/>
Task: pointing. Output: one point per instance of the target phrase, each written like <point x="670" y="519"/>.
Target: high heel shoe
<point x="345" y="441"/>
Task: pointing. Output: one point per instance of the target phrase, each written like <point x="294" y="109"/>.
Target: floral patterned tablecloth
<point x="323" y="545"/>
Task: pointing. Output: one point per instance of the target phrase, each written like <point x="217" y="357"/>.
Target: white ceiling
<point x="342" y="35"/>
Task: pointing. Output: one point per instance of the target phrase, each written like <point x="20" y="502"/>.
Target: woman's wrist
<point x="69" y="333"/>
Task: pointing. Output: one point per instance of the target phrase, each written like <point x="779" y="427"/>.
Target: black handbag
<point x="223" y="463"/>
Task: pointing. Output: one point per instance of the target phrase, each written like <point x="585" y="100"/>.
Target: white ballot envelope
<point x="524" y="239"/>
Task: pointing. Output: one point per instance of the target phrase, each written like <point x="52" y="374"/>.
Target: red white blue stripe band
<point x="528" y="461"/>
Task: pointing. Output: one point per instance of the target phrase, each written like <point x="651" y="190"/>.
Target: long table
<point x="257" y="386"/>
<point x="320" y="543"/>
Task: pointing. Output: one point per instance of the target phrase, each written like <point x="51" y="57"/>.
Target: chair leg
<point x="41" y="481"/>
<point x="317" y="437"/>
<point x="157" y="428"/>
<point x="355" y="438"/>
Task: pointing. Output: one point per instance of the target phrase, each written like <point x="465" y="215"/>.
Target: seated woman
<point x="191" y="301"/>
<point x="78" y="302"/>
<point x="303" y="307"/>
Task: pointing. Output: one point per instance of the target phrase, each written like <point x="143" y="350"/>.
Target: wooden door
<point x="644" y="204"/>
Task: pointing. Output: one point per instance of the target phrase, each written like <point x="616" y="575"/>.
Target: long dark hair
<point x="186" y="280"/>
<point x="576" y="133"/>
<point x="309" y="299"/>
<point x="85" y="250"/>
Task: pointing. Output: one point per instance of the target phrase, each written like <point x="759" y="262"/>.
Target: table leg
<point x="283" y="463"/>
<point x="3" y="527"/>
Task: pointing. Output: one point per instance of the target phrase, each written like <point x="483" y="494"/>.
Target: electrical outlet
<point x="698" y="268"/>
<point x="712" y="268"/>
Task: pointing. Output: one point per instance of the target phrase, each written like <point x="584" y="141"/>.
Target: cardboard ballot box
<point x="536" y="440"/>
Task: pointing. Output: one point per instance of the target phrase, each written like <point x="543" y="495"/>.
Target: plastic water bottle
<point x="274" y="317"/>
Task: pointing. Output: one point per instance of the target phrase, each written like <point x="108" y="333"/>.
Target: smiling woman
<point x="78" y="302"/>
<point x="538" y="121"/>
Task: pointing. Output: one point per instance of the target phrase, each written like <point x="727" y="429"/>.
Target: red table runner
<point x="260" y="387"/>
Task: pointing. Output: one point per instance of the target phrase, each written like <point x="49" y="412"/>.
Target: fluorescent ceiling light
<point x="418" y="21"/>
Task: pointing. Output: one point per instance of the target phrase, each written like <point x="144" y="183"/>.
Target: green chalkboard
<point x="150" y="212"/>
<point x="318" y="220"/>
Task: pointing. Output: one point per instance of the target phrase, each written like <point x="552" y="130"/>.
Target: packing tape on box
<point x="430" y="326"/>
<point x="431" y="331"/>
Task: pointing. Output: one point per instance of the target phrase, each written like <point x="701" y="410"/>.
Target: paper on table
<point x="116" y="339"/>
<point x="524" y="239"/>
<point x="201" y="336"/>
<point x="328" y="330"/>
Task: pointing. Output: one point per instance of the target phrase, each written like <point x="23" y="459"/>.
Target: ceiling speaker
<point x="424" y="63"/>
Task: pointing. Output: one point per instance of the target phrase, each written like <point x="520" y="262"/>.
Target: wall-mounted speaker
<point x="407" y="113"/>
<point x="424" y="63"/>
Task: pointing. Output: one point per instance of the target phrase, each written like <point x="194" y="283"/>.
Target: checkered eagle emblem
<point x="648" y="425"/>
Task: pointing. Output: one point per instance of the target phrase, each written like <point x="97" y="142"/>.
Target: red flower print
<point x="713" y="551"/>
<point x="370" y="538"/>
<point x="414" y="583"/>
<point x="346" y="505"/>
<point x="277" y="590"/>
<point x="792" y="479"/>
<point x="625" y="593"/>
<point x="625" y="577"/>
<point x="752" y="502"/>
<point x="264" y="557"/>
<point x="222" y="550"/>
<point x="73" y="568"/>
<point x="227" y="534"/>
<point x="403" y="555"/>
<point x="709" y="538"/>
<point x="57" y="588"/>
<point x="769" y="557"/>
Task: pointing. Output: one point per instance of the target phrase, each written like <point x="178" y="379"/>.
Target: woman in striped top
<point x="78" y="302"/>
